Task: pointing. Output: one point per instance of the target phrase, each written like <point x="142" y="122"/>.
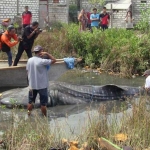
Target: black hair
<point x="130" y="13"/>
<point x="10" y="27"/>
<point x="35" y="23"/>
<point x="37" y="52"/>
<point x="104" y="7"/>
<point x="94" y="9"/>
<point x="26" y="7"/>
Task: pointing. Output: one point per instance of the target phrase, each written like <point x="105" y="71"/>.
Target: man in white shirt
<point x="147" y="81"/>
<point x="37" y="69"/>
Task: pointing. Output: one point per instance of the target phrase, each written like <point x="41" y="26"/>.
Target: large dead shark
<point x="61" y="93"/>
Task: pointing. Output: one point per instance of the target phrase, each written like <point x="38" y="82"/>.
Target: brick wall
<point x="33" y="7"/>
<point x="118" y="18"/>
<point x="10" y="8"/>
<point x="137" y="8"/>
<point x="59" y="11"/>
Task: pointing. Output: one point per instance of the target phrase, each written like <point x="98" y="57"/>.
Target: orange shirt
<point x="6" y="38"/>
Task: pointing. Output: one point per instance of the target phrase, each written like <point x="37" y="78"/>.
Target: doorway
<point x="43" y="12"/>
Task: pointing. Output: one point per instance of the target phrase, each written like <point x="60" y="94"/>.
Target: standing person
<point x="129" y="20"/>
<point x="38" y="78"/>
<point x="6" y="42"/>
<point x="147" y="81"/>
<point x="89" y="21"/>
<point x="94" y="18"/>
<point x="26" y="17"/>
<point x="82" y="20"/>
<point x="29" y="35"/>
<point x="104" y="19"/>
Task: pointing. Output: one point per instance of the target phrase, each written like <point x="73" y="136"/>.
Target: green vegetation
<point x="143" y="24"/>
<point x="122" y="51"/>
<point x="119" y="50"/>
<point x="73" y="10"/>
<point x="100" y="2"/>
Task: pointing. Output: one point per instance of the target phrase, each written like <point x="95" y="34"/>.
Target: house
<point x="56" y="10"/>
<point x="119" y="8"/>
<point x="118" y="12"/>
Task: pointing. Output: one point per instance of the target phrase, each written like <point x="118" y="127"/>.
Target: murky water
<point x="94" y="78"/>
<point x="73" y="117"/>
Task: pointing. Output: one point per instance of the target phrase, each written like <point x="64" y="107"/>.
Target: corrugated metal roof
<point x="122" y="4"/>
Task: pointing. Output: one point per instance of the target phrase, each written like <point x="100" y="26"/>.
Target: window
<point x="55" y="1"/>
<point x="142" y="1"/>
<point x="59" y="1"/>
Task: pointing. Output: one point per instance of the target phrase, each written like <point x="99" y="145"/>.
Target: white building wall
<point x="57" y="11"/>
<point x="10" y="8"/>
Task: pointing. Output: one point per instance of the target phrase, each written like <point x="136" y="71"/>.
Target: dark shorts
<point x="104" y="27"/>
<point x="89" y="26"/>
<point x="43" y="96"/>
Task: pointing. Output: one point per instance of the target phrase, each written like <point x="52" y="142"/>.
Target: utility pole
<point x="17" y="7"/>
<point x="78" y="4"/>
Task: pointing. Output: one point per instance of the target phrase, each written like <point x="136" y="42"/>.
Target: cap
<point x="147" y="72"/>
<point x="10" y="27"/>
<point x="37" y="48"/>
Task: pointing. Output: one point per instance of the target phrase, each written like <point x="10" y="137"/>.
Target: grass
<point x="36" y="133"/>
<point x="32" y="133"/>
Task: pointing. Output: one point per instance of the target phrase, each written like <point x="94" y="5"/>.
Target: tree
<point x="100" y="2"/>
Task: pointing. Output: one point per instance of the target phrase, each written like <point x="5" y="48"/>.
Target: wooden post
<point x="17" y="7"/>
<point x="111" y="16"/>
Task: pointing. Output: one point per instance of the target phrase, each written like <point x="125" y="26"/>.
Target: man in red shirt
<point x="104" y="19"/>
<point x="26" y="17"/>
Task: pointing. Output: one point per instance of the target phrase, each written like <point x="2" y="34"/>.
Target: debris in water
<point x="121" y="137"/>
<point x="74" y="145"/>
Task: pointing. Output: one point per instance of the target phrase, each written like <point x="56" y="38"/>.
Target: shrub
<point x="143" y="24"/>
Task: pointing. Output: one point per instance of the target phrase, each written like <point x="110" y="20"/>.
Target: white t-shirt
<point x="147" y="82"/>
<point x="38" y="72"/>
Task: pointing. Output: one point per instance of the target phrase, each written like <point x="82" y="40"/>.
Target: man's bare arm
<point x="53" y="60"/>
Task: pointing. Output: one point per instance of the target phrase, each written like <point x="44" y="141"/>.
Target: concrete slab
<point x="16" y="76"/>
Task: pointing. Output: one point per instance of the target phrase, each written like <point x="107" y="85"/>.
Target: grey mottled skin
<point x="61" y="93"/>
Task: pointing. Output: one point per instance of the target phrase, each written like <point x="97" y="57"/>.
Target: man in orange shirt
<point x="6" y="42"/>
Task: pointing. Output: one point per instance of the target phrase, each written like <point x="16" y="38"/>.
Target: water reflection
<point x="72" y="119"/>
